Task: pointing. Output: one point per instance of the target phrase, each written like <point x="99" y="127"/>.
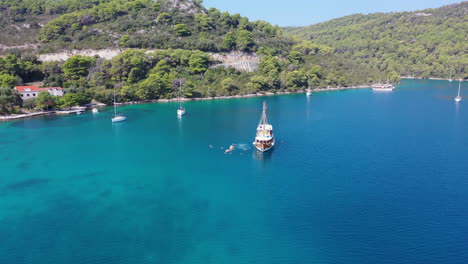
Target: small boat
<point x="181" y="111"/>
<point x="95" y="110"/>
<point x="79" y="113"/>
<point x="450" y="77"/>
<point x="117" y="117"/>
<point x="458" y="98"/>
<point x="383" y="86"/>
<point x="264" y="139"/>
<point x="308" y="92"/>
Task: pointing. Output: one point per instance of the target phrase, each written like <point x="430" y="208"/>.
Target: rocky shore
<point x="78" y="109"/>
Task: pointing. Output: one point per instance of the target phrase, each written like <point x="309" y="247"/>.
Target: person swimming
<point x="230" y="149"/>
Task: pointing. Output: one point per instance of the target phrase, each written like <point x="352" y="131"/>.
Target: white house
<point x="33" y="91"/>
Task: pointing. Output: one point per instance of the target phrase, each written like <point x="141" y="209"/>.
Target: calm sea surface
<point x="356" y="177"/>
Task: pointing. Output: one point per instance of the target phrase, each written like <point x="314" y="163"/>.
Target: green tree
<point x="269" y="65"/>
<point x="295" y="57"/>
<point x="229" y="41"/>
<point x="204" y="21"/>
<point x="164" y="18"/>
<point x="199" y="62"/>
<point x="72" y="99"/>
<point x="259" y="83"/>
<point x="10" y="65"/>
<point x="161" y="67"/>
<point x="77" y="66"/>
<point x="229" y="87"/>
<point x="7" y="80"/>
<point x="123" y="42"/>
<point x="245" y="40"/>
<point x="154" y="87"/>
<point x="296" y="79"/>
<point x="45" y="101"/>
<point x="317" y="71"/>
<point x="9" y="98"/>
<point x="182" y="30"/>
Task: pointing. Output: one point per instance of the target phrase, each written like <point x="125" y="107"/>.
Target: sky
<point x="307" y="12"/>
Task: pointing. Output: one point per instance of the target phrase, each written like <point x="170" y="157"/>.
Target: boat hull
<point x="262" y="147"/>
<point x="118" y="119"/>
<point x="383" y="89"/>
<point x="457" y="99"/>
<point x="180" y="112"/>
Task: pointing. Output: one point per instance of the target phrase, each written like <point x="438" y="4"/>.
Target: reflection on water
<point x="263" y="156"/>
<point x="457" y="109"/>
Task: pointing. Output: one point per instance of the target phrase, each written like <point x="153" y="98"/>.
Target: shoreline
<point x="431" y="78"/>
<point x="42" y="113"/>
<point x="77" y="109"/>
<point x="246" y="95"/>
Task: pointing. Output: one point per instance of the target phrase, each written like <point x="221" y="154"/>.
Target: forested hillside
<point x="73" y="24"/>
<point x="426" y="43"/>
<point x="354" y="50"/>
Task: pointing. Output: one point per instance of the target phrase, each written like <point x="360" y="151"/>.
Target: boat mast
<point x="263" y="119"/>
<point x="179" y="93"/>
<point x="459" y="85"/>
<point x="115" y="109"/>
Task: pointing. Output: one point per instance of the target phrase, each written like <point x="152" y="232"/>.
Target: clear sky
<point x="307" y="12"/>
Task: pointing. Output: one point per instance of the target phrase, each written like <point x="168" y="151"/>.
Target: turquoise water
<point x="356" y="177"/>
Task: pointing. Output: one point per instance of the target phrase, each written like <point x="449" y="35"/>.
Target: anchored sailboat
<point x="117" y="117"/>
<point x="181" y="109"/>
<point x="458" y="98"/>
<point x="264" y="139"/>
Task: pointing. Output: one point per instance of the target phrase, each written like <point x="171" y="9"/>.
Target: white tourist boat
<point x="383" y="86"/>
<point x="458" y="98"/>
<point x="264" y="139"/>
<point x="117" y="117"/>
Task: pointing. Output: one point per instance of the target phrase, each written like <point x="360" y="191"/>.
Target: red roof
<point x="34" y="88"/>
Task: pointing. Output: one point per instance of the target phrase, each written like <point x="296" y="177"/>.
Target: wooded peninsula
<point x="174" y="44"/>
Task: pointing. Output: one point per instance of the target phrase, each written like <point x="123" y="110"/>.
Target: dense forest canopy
<point x="426" y="43"/>
<point x="73" y="24"/>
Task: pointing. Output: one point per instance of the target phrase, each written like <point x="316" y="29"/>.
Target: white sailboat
<point x="181" y="109"/>
<point x="308" y="92"/>
<point x="117" y="117"/>
<point x="95" y="110"/>
<point x="450" y="77"/>
<point x="458" y="98"/>
<point x="264" y="139"/>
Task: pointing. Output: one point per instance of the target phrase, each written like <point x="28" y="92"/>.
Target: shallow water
<point x="356" y="177"/>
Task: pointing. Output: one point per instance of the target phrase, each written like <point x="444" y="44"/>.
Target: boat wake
<point x="243" y="147"/>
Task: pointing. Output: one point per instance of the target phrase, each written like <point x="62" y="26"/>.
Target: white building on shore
<point x="33" y="91"/>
